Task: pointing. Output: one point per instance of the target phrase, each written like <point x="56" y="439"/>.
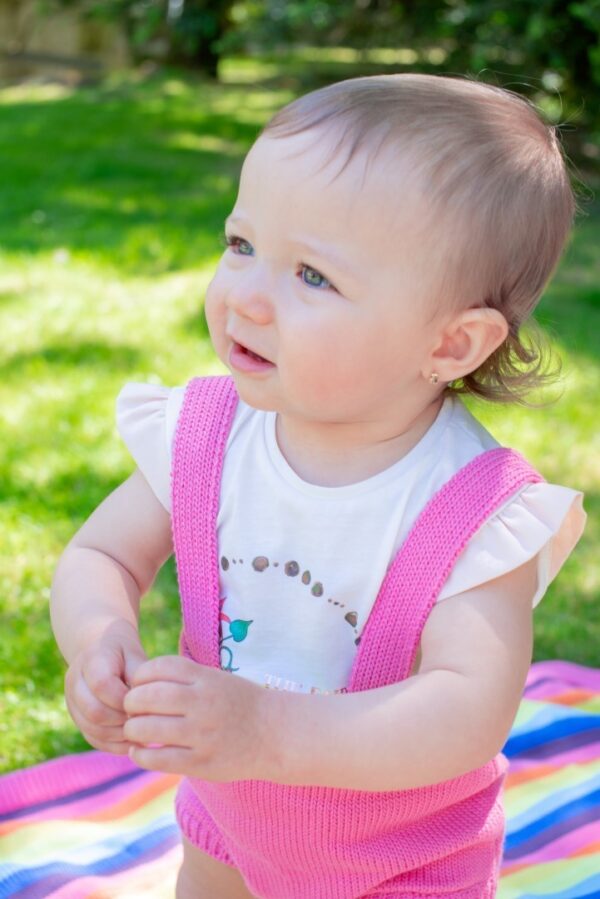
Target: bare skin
<point x="203" y="877"/>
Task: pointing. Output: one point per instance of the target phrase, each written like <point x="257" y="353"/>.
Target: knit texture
<point x="314" y="842"/>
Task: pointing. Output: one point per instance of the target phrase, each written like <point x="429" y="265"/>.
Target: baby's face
<point x="324" y="278"/>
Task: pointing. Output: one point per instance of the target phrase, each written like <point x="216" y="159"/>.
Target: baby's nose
<point x="251" y="300"/>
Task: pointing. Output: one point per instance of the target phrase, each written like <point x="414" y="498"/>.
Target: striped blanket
<point x="94" y="825"/>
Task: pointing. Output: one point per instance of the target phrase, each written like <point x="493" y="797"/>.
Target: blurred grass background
<point x="113" y="199"/>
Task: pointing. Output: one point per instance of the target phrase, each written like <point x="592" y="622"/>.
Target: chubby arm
<point x="454" y="715"/>
<point x="103" y="572"/>
<point x="109" y="564"/>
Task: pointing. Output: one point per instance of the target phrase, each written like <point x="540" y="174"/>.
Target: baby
<point x="358" y="558"/>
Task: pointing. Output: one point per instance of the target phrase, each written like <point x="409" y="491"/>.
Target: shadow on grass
<point x="87" y="354"/>
<point x="70" y="497"/>
<point x="139" y="178"/>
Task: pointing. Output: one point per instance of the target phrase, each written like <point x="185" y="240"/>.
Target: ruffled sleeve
<point x="146" y="415"/>
<point x="543" y="520"/>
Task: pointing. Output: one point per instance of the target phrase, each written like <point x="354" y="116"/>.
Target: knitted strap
<point x="198" y="450"/>
<point x="413" y="582"/>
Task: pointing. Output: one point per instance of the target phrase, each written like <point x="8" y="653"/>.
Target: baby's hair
<point x="495" y="181"/>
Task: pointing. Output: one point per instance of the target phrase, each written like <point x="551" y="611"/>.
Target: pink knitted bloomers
<point x="313" y="842"/>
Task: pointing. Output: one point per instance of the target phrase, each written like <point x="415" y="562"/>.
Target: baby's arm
<point x="453" y="716"/>
<point x="106" y="568"/>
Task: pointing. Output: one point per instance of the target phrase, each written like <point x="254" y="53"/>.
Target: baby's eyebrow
<point x="328" y="252"/>
<point x="233" y="220"/>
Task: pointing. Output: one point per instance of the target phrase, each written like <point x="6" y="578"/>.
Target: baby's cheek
<point x="214" y="310"/>
<point x="216" y="323"/>
<point x="325" y="365"/>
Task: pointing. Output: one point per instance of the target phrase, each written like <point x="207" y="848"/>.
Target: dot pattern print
<point x="239" y="628"/>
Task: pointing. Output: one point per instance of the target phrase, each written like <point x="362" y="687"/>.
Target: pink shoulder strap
<point x="391" y="636"/>
<point x="198" y="449"/>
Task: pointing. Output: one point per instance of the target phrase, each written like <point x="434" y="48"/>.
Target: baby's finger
<point x="161" y="698"/>
<point x="104" y="735"/>
<point x="119" y="748"/>
<point x="162" y="730"/>
<point x="168" y="759"/>
<point x="176" y="669"/>
<point x="105" y="681"/>
<point x="81" y="699"/>
<point x="112" y="734"/>
<point x="133" y="659"/>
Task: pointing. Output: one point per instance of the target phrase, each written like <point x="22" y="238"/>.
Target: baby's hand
<point x="97" y="682"/>
<point x="196" y="720"/>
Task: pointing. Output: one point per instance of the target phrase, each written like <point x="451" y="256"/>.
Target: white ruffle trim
<point x="146" y="415"/>
<point x="544" y="520"/>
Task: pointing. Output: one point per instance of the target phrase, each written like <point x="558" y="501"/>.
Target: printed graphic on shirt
<point x="283" y="683"/>
<point x="240" y="628"/>
<point x="238" y="631"/>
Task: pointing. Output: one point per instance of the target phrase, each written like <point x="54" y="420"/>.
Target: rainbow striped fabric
<point x="94" y="825"/>
<point x="552" y="795"/>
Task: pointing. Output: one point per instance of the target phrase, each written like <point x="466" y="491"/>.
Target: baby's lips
<point x="151" y="745"/>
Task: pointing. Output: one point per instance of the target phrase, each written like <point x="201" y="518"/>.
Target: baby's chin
<point x="254" y="393"/>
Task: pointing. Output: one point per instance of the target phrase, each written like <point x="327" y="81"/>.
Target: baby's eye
<point x="238" y="245"/>
<point x="312" y="277"/>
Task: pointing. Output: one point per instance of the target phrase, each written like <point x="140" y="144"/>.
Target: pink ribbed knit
<point x="313" y="842"/>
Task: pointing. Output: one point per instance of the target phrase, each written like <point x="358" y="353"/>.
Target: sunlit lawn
<point x="112" y="206"/>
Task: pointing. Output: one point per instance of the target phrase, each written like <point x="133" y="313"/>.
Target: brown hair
<point x="495" y="180"/>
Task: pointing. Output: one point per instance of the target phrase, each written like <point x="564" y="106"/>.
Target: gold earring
<point x="434" y="377"/>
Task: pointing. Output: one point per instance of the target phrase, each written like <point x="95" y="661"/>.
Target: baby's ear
<point x="467" y="341"/>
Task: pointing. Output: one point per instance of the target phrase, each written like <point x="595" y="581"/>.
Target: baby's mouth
<point x="246" y="360"/>
<point x="251" y="354"/>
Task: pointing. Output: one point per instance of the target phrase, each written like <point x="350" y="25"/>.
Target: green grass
<point x="113" y="200"/>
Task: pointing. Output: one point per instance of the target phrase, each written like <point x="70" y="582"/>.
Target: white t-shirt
<point x="301" y="564"/>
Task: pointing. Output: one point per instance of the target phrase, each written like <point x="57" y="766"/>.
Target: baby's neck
<point x="337" y="454"/>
